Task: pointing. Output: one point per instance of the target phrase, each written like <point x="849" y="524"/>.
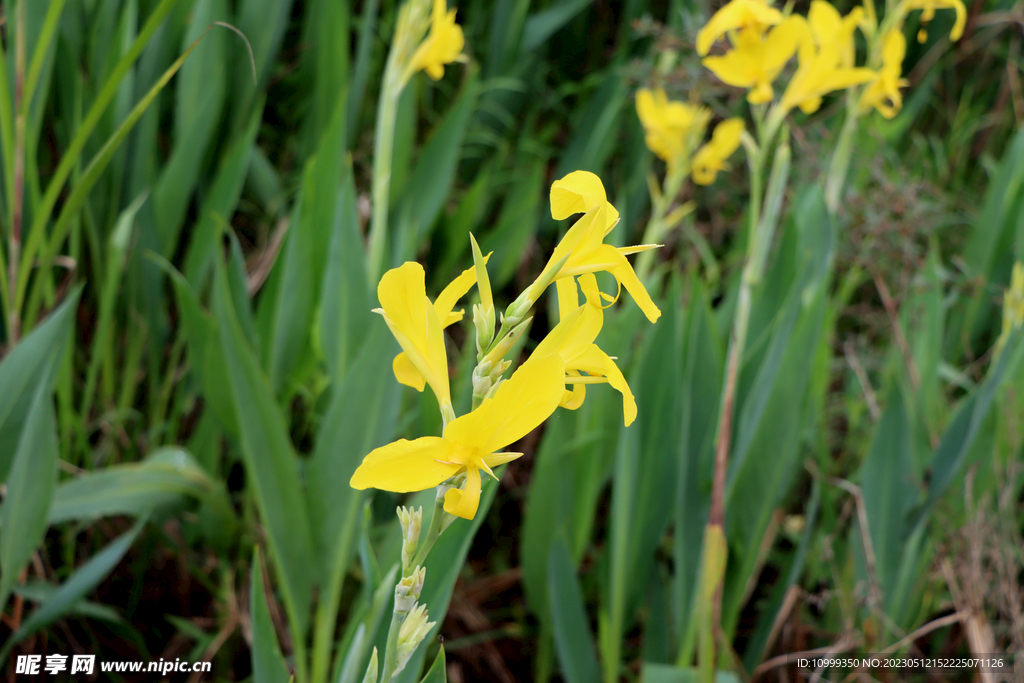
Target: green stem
<point x="433" y="533"/>
<point x="383" y="146"/>
<point x="391" y="649"/>
<point x="841" y="159"/>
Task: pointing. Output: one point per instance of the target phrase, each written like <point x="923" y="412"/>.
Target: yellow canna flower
<point x="470" y="442"/>
<point x="573" y="340"/>
<point x="416" y="324"/>
<point x="669" y="126"/>
<point x="583" y="248"/>
<point x="883" y="92"/>
<point x="739" y="15"/>
<point x="405" y="370"/>
<point x="832" y="29"/>
<point x="821" y="56"/>
<point x="928" y="8"/>
<point x="756" y="60"/>
<point x="442" y="46"/>
<point x="710" y="159"/>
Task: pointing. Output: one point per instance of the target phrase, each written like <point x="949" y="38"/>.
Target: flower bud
<point x="414" y="629"/>
<point x="407" y="592"/>
<point x="506" y="344"/>
<point x="371" y="669"/>
<point x="412" y="523"/>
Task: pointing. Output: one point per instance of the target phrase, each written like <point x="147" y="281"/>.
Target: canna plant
<point x="504" y="410"/>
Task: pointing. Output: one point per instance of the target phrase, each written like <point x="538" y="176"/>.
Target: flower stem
<point x="383" y="144"/>
<point x="841" y="160"/>
<point x="391" y="649"/>
<point x="437" y="521"/>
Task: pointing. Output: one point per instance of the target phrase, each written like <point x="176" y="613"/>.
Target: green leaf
<point x="25" y="369"/>
<point x="437" y="672"/>
<point x="270" y="462"/>
<point x="167" y="477"/>
<point x="661" y="673"/>
<point x="542" y="25"/>
<point x="70" y="593"/>
<point x="29" y="488"/>
<point x="345" y="306"/>
<point x="428" y="187"/>
<point x="288" y="318"/>
<point x="199" y="98"/>
<point x="573" y="641"/>
<point x="361" y="417"/>
<point x="700" y="384"/>
<point x="268" y="665"/>
<point x="887" y="481"/>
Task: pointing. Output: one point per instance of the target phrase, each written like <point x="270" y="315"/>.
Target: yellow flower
<point x="928" y="8"/>
<point x="416" y="324"/>
<point x="832" y="29"/>
<point x="821" y="51"/>
<point x="756" y="59"/>
<point x="583" y="246"/>
<point x="669" y="126"/>
<point x="883" y="92"/>
<point x="470" y="442"/>
<point x="405" y="370"/>
<point x="442" y="46"/>
<point x="573" y="340"/>
<point x="710" y="159"/>
<point x="743" y="15"/>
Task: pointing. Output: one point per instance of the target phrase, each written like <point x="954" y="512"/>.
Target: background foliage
<point x="191" y="368"/>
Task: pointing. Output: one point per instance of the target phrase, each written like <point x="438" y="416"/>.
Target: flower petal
<point x="451" y="294"/>
<point x="406" y="373"/>
<point x="597" y="362"/>
<point x="404" y="465"/>
<point x="518" y="406"/>
<point x="464" y="502"/>
<point x="623" y="272"/>
<point x="578" y="192"/>
<point x="415" y="324"/>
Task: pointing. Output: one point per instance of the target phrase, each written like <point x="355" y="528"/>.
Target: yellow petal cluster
<point x="825" y="52"/>
<point x="443" y="45"/>
<point x="756" y="59"/>
<point x="710" y="159"/>
<point x="883" y="91"/>
<point x="583" y="248"/>
<point x="928" y="8"/>
<point x="742" y="16"/>
<point x="470" y="442"/>
<point x="505" y="410"/>
<point x="669" y="126"/>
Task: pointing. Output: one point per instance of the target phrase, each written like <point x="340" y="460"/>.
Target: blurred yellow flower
<point x="821" y="51"/>
<point x="928" y="8"/>
<point x="470" y="442"/>
<point x="573" y="340"/>
<point x="710" y="159"/>
<point x="669" y="126"/>
<point x="405" y="370"/>
<point x="442" y="46"/>
<point x="754" y="16"/>
<point x="883" y="92"/>
<point x="583" y="246"/>
<point x="756" y="60"/>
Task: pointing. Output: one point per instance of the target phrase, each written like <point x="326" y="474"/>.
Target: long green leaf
<point x="573" y="641"/>
<point x="25" y="369"/>
<point x="270" y="462"/>
<point x="71" y="592"/>
<point x="268" y="665"/>
<point x="29" y="487"/>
